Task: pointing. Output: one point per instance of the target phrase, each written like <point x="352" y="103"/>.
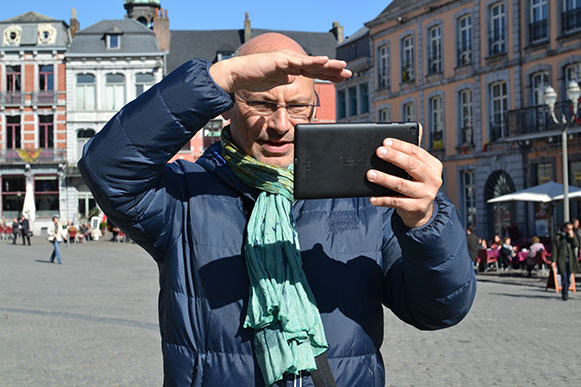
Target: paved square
<point x="92" y="321"/>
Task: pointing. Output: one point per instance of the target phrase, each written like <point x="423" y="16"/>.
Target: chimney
<point x="247" y="28"/>
<point x="337" y="30"/>
<point x="75" y="26"/>
<point x="161" y="29"/>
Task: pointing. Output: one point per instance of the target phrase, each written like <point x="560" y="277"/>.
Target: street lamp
<point x="573" y="92"/>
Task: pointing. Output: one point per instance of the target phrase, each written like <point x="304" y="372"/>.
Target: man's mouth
<point x="276" y="146"/>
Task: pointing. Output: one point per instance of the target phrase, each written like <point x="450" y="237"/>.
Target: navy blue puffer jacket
<point x="191" y="218"/>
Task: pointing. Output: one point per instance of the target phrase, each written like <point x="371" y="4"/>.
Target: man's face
<point x="569" y="228"/>
<point x="576" y="223"/>
<point x="270" y="138"/>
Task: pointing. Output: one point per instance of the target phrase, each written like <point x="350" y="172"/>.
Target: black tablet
<point x="331" y="160"/>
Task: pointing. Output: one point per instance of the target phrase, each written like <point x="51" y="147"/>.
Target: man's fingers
<point x="405" y="187"/>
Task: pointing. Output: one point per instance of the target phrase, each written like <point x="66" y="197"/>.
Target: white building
<point x="108" y="64"/>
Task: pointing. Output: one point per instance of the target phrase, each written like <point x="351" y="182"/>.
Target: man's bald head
<point x="270" y="41"/>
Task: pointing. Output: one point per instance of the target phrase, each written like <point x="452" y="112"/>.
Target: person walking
<point x="563" y="254"/>
<point x="15" y="230"/>
<point x="473" y="242"/>
<point x="56" y="235"/>
<point x="25" y="230"/>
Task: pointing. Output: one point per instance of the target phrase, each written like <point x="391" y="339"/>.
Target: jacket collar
<point x="213" y="162"/>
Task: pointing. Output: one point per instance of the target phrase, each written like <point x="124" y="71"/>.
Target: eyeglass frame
<point x="281" y="105"/>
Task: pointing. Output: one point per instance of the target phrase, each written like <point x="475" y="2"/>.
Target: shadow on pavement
<point x="42" y="261"/>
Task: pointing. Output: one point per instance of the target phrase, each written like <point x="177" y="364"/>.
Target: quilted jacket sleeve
<point x="125" y="164"/>
<point x="429" y="277"/>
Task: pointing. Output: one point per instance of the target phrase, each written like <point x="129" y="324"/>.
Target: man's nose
<point x="280" y="120"/>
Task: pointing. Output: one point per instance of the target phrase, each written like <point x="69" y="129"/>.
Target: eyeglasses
<point x="299" y="111"/>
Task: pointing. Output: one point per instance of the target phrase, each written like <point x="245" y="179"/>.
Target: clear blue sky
<point x="303" y="15"/>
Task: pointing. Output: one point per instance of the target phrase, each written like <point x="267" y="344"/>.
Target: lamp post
<point x="573" y="92"/>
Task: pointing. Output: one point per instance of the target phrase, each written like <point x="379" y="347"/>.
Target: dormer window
<point x="12" y="35"/>
<point x="113" y="41"/>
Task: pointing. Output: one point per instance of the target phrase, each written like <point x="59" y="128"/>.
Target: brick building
<point x="32" y="115"/>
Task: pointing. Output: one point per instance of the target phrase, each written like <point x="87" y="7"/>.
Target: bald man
<point x="256" y="288"/>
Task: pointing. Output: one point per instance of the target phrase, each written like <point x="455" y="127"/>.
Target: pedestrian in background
<point x="577" y="232"/>
<point x="56" y="235"/>
<point x="473" y="241"/>
<point x="15" y="230"/>
<point x="563" y="254"/>
<point x="25" y="230"/>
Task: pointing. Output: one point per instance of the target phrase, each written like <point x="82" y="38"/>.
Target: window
<point x="499" y="106"/>
<point x="46" y="196"/>
<point x="469" y="188"/>
<point x="435" y="50"/>
<point x="538" y="22"/>
<point x="466" y="125"/>
<point x="383" y="67"/>
<point x="212" y="132"/>
<point x="352" y="101"/>
<point x="407" y="60"/>
<point x="13" y="134"/>
<point x="113" y="42"/>
<point x="13" y="191"/>
<point x="437" y="123"/>
<point x="46" y="84"/>
<point x="86" y="203"/>
<point x="45" y="132"/>
<point x="85" y="92"/>
<point x="543" y="173"/>
<point x="341" y="104"/>
<point x="114" y="91"/>
<point x="539" y="81"/>
<point x="497" y="44"/>
<point x="143" y="81"/>
<point x="83" y="136"/>
<point x="364" y="98"/>
<point x="575" y="169"/>
<point x="409" y="112"/>
<point x="571" y="15"/>
<point x="13" y="84"/>
<point x="572" y="73"/>
<point x="465" y="40"/>
<point x="384" y="115"/>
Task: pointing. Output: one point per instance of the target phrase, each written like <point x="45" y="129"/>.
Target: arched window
<point x="500" y="215"/>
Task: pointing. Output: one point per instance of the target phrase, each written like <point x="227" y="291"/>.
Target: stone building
<point x="473" y="72"/>
<point x="33" y="134"/>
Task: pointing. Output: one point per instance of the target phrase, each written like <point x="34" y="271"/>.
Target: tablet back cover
<point x="331" y="160"/>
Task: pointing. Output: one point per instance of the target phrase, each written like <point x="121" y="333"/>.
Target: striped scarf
<point x="288" y="331"/>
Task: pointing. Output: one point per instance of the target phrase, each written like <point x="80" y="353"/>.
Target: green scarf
<point x="282" y="310"/>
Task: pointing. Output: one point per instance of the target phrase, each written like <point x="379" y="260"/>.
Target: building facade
<point x="473" y="73"/>
<point x="107" y="65"/>
<point x="33" y="150"/>
<point x="355" y="94"/>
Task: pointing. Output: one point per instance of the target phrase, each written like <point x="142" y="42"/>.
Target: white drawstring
<point x="300" y="380"/>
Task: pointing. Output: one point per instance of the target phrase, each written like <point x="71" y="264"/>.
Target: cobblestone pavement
<point x="92" y="321"/>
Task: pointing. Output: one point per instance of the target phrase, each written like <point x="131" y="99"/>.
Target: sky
<point x="299" y="15"/>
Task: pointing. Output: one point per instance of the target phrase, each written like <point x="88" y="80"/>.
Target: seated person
<point x="496" y="243"/>
<point x="536" y="248"/>
<point x="506" y="254"/>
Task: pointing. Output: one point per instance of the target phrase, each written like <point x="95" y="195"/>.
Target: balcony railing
<point x="571" y="20"/>
<point x="407" y="71"/>
<point x="434" y="63"/>
<point x="44" y="98"/>
<point x="11" y="98"/>
<point x="538" y="31"/>
<point x="467" y="136"/>
<point x="497" y="45"/>
<point x="536" y="119"/>
<point x="464" y="56"/>
<point x="46" y="155"/>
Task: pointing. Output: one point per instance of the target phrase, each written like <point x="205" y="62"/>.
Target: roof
<point x="360" y="33"/>
<point x="142" y="2"/>
<point x="397" y="8"/>
<point x="135" y="39"/>
<point x="29" y="17"/>
<point x="205" y="44"/>
<point x="34" y="30"/>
